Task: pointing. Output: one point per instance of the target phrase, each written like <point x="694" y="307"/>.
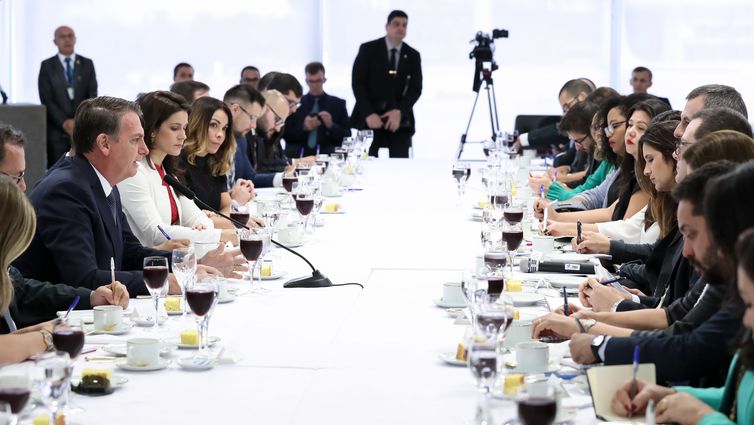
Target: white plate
<point x="177" y="342"/>
<point x="227" y="299"/>
<point x="450" y="358"/>
<point x="569" y="256"/>
<point x="476" y="215"/>
<point x="440" y="303"/>
<point x="455" y="312"/>
<point x="188" y="363"/>
<point x="116" y="381"/>
<point x="161" y="364"/>
<point x="525" y="298"/>
<point x="291" y="245"/>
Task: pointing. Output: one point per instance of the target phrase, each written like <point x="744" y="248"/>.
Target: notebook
<point x="605" y="380"/>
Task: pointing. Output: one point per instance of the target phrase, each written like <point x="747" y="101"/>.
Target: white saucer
<point x="227" y="299"/>
<point x="189" y="363"/>
<point x="450" y="358"/>
<point x="121" y="350"/>
<point x="476" y="215"/>
<point x="568" y="256"/>
<point x="276" y="275"/>
<point x="440" y="303"/>
<point x="455" y="312"/>
<point x="173" y="313"/>
<point x="291" y="245"/>
<point x="525" y="298"/>
<point x="340" y="211"/>
<point x="116" y="381"/>
<point x="145" y="322"/>
<point x="570" y="282"/>
<point x="123" y="329"/>
<point x="177" y="342"/>
<point x="161" y="364"/>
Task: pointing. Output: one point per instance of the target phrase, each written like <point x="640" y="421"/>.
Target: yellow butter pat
<point x="515" y="314"/>
<point x="461" y="352"/>
<point x="483" y="204"/>
<point x="173" y="304"/>
<point x="514" y="191"/>
<point x="266" y="270"/>
<point x="190" y="337"/>
<point x="513" y="285"/>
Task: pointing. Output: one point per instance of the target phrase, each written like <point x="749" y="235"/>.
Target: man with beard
<point x="688" y="339"/>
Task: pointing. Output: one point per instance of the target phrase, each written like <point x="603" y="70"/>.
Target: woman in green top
<point x="578" y="125"/>
<point x="731" y="404"/>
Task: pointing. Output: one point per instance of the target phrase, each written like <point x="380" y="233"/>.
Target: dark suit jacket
<point x="54" y="96"/>
<point x="244" y="169"/>
<point x="35" y="302"/>
<point x="377" y="92"/>
<point x="327" y="138"/>
<point x="76" y="235"/>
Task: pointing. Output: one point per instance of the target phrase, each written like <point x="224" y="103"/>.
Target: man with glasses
<point x="247" y="105"/>
<point x="12" y="157"/>
<point x="270" y="157"/>
<point x="250" y="75"/>
<point x="320" y="123"/>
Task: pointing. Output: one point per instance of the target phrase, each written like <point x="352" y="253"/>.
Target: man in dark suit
<point x="65" y="80"/>
<point x="387" y="81"/>
<point x="80" y="224"/>
<point x="321" y="121"/>
<point x="641" y="81"/>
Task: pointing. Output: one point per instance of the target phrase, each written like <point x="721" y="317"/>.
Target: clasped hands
<point x="392" y="120"/>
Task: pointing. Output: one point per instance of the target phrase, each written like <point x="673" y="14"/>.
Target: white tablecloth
<point x="336" y="355"/>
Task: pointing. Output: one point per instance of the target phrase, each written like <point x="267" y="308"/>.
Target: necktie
<point x="393" y="53"/>
<point x="113" y="210"/>
<point x="68" y="71"/>
<point x="312" y="140"/>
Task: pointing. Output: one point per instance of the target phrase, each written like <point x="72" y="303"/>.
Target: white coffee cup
<point x="290" y="235"/>
<point x="532" y="356"/>
<point x="543" y="244"/>
<point x="519" y="331"/>
<point x="452" y="294"/>
<point x="330" y="188"/>
<point x="143" y="352"/>
<point x="107" y="317"/>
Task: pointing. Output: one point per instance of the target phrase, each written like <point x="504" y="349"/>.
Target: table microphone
<point x="316" y="280"/>
<point x="532" y="265"/>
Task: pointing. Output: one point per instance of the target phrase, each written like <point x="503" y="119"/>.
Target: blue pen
<point x="70" y="308"/>
<point x="301" y="155"/>
<point x="555" y="177"/>
<point x="164" y="233"/>
<point x="542" y="191"/>
<point x="317" y="148"/>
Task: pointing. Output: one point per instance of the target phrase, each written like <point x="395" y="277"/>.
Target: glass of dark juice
<point x="201" y="297"/>
<point x="156" y="279"/>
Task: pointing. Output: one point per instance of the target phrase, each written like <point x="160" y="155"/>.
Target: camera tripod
<point x="489" y="87"/>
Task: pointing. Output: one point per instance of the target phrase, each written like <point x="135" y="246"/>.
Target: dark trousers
<point x="397" y="142"/>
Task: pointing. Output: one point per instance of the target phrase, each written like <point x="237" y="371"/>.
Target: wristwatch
<point x="47" y="337"/>
<point x="587" y="324"/>
<point x="597" y="342"/>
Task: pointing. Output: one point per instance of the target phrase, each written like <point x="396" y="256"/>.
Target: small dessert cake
<point x="190" y="337"/>
<point x="512" y="383"/>
<point x="461" y="352"/>
<point x="513" y="285"/>
<point x="516" y="314"/>
<point x="172" y="304"/>
<point x="332" y="207"/>
<point x="266" y="269"/>
<point x="45" y="419"/>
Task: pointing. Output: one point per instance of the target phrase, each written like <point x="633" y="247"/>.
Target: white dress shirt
<point x="146" y="204"/>
<point x="631" y="230"/>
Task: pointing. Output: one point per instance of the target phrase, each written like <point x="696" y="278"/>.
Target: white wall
<point x="135" y="45"/>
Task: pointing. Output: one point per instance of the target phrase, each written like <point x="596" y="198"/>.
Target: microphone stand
<point x="316" y="280"/>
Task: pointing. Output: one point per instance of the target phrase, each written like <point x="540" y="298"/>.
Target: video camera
<point x="484" y="51"/>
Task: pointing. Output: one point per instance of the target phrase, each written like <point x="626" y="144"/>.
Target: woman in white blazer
<point x="147" y="200"/>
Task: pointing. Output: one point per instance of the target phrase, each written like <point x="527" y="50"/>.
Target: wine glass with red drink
<point x="251" y="242"/>
<point x="304" y="204"/>
<point x="15" y="392"/>
<point x="202" y="298"/>
<point x="156" y="278"/>
<point x="68" y="337"/>
<point x="513" y="236"/>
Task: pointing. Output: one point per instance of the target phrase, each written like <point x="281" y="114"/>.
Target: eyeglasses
<point x="252" y="117"/>
<point x="17" y="178"/>
<point x="294" y="104"/>
<point x="610" y="129"/>
<point x="581" y="140"/>
<point x="679" y="145"/>
<point x="278" y="119"/>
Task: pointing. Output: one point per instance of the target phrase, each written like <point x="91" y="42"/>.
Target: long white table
<point x="336" y="355"/>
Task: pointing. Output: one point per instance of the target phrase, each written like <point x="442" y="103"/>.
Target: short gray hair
<point x="716" y="95"/>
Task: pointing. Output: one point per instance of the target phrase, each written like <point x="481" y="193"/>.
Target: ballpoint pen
<point x="566" y="309"/>
<point x="541" y="191"/>
<point x="112" y="270"/>
<point x="164" y="233"/>
<point x="578" y="232"/>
